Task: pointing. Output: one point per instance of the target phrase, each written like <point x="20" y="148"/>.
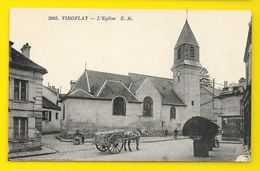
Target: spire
<point x="82" y="83"/>
<point x="186" y="36"/>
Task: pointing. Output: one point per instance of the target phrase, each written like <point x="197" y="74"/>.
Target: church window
<point x="192" y="52"/>
<point x="192" y="103"/>
<point x="179" y="53"/>
<point x="119" y="106"/>
<point x="148" y="106"/>
<point x="172" y="113"/>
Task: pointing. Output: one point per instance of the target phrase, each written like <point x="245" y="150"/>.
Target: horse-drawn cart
<point x="112" y="141"/>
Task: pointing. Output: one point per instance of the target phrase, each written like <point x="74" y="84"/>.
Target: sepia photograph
<point x="129" y="85"/>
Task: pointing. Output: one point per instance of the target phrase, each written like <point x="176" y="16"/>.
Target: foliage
<point x="205" y="79"/>
<point x="200" y="128"/>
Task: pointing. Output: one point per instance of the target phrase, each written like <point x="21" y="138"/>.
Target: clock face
<point x="178" y="74"/>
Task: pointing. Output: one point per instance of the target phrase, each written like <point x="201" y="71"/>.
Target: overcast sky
<point x="143" y="45"/>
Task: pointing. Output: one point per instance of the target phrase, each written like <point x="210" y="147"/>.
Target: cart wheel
<point x="101" y="147"/>
<point x="116" y="143"/>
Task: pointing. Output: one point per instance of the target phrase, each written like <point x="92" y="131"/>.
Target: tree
<point x="205" y="79"/>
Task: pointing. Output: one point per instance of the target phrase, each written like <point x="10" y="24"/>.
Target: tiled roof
<point x="210" y="89"/>
<point x="113" y="88"/>
<point x="80" y="93"/>
<point x="186" y="36"/>
<point x="47" y="104"/>
<point x="19" y="61"/>
<point x="82" y="83"/>
<point x="97" y="79"/>
<point x="107" y="86"/>
<point x="164" y="87"/>
<point x="136" y="84"/>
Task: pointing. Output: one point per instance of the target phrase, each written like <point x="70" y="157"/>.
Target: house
<point x="25" y="100"/>
<point x="101" y="100"/>
<point x="228" y="106"/>
<point x="51" y="114"/>
<point x="246" y="101"/>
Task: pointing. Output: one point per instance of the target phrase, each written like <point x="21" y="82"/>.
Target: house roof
<point x="186" y="36"/>
<point x="19" y="61"/>
<point x="248" y="42"/>
<point x="47" y="104"/>
<point x="210" y="89"/>
<point x="232" y="91"/>
<point x="164" y="87"/>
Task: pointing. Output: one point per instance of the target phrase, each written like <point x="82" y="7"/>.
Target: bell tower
<point x="186" y="69"/>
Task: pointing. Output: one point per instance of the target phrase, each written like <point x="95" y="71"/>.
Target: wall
<point x="188" y="88"/>
<point x="53" y="125"/>
<point x="148" y="89"/>
<point x="206" y="107"/>
<point x="30" y="109"/>
<point x="169" y="124"/>
<point x="93" y="114"/>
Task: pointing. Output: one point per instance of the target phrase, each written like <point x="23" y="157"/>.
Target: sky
<point x="143" y="45"/>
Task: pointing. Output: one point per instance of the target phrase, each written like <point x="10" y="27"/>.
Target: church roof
<point x="186" y="36"/>
<point x="80" y="93"/>
<point x="19" y="61"/>
<point x="102" y="85"/>
<point x="82" y="83"/>
<point x="112" y="88"/>
<point x="97" y="79"/>
<point x="163" y="85"/>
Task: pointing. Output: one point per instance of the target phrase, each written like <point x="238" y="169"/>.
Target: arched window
<point x="192" y="52"/>
<point x="148" y="106"/>
<point x="179" y="53"/>
<point x="172" y="113"/>
<point x="119" y="106"/>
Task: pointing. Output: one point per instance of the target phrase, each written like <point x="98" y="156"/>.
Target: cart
<point x="111" y="141"/>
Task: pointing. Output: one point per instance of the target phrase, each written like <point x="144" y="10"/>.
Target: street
<point x="170" y="150"/>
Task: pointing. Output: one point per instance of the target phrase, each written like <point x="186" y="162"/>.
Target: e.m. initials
<point x="126" y="18"/>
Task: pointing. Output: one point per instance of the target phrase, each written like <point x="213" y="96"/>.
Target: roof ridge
<point x="149" y="76"/>
<point x="107" y="72"/>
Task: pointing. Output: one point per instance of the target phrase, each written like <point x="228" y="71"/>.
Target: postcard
<point x="129" y="85"/>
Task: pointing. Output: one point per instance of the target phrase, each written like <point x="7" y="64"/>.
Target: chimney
<point x="72" y="83"/>
<point x="26" y="50"/>
<point x="225" y="86"/>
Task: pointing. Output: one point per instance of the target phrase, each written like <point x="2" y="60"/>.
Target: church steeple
<point x="186" y="50"/>
<point x="186" y="69"/>
<point x="186" y="36"/>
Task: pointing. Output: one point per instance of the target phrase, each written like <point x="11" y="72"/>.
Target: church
<point x="101" y="100"/>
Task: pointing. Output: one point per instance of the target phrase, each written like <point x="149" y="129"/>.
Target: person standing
<point x="175" y="133"/>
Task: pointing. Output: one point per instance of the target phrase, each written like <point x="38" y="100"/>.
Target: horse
<point x="133" y="135"/>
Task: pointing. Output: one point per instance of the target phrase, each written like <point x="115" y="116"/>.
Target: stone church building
<point x="100" y="100"/>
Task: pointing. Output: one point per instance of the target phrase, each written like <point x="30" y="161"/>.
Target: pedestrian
<point x="78" y="136"/>
<point x="175" y="133"/>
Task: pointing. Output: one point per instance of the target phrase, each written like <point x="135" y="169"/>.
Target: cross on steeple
<point x="187" y="14"/>
<point x="85" y="65"/>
